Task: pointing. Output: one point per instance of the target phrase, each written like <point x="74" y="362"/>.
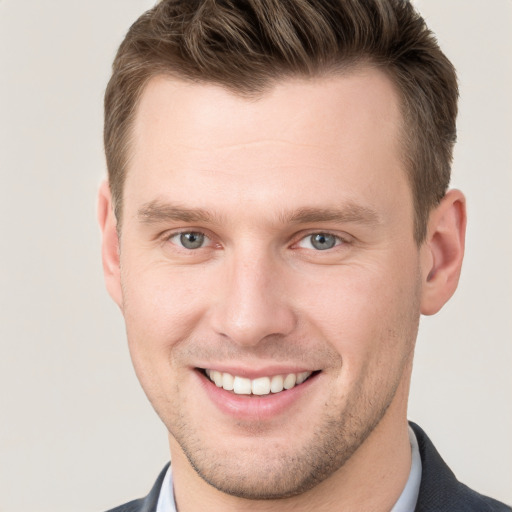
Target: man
<point x="275" y="221"/>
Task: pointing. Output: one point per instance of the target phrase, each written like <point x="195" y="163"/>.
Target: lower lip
<point x="254" y="407"/>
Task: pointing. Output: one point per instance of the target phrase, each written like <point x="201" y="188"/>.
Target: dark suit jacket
<point x="440" y="491"/>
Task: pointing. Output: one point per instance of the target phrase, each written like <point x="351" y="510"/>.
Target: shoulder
<point x="132" y="506"/>
<point x="440" y="490"/>
<point x="147" y="504"/>
<point x="473" y="501"/>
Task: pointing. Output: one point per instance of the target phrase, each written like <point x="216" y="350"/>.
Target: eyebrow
<point x="349" y="213"/>
<point x="157" y="212"/>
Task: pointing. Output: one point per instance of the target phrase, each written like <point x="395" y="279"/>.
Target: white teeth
<point x="276" y="384"/>
<point x="290" y="380"/>
<point x="228" y="381"/>
<point x="259" y="386"/>
<point x="301" y="377"/>
<point x="242" y="386"/>
<point x="217" y="378"/>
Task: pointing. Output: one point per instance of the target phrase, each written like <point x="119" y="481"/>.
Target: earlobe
<point x="443" y="251"/>
<point x="110" y="243"/>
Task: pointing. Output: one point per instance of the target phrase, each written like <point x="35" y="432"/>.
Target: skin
<point x="258" y="295"/>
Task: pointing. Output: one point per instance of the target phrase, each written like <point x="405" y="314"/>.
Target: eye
<point x="189" y="239"/>
<point x="320" y="241"/>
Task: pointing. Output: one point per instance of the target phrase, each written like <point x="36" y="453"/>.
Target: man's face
<point x="266" y="240"/>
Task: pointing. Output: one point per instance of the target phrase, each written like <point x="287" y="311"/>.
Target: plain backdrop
<point x="76" y="431"/>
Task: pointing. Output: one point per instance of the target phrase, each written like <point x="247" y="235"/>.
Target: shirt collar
<point x="409" y="497"/>
<point x="166" y="501"/>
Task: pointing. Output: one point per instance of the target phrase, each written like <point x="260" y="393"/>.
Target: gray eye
<point x="322" y="241"/>
<point x="192" y="240"/>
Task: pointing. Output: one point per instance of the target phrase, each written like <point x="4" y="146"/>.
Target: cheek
<point x="366" y="312"/>
<point x="161" y="307"/>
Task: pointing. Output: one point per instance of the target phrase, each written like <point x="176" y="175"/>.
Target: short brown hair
<point x="247" y="45"/>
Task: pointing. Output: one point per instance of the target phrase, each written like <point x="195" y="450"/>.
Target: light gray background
<point x="76" y="432"/>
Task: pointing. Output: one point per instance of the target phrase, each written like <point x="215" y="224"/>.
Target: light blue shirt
<point x="406" y="502"/>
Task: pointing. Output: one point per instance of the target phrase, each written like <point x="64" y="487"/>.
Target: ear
<point x="442" y="252"/>
<point x="110" y="244"/>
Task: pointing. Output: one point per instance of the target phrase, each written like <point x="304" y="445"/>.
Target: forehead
<point x="358" y="97"/>
<point x="336" y="133"/>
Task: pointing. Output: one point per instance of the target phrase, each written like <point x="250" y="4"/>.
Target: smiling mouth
<point x="260" y="386"/>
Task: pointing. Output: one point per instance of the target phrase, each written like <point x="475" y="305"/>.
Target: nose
<point x="251" y="301"/>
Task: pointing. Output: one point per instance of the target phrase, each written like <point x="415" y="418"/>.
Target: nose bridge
<point x="251" y="304"/>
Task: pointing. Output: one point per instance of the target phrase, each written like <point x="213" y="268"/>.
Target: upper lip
<point x="254" y="373"/>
